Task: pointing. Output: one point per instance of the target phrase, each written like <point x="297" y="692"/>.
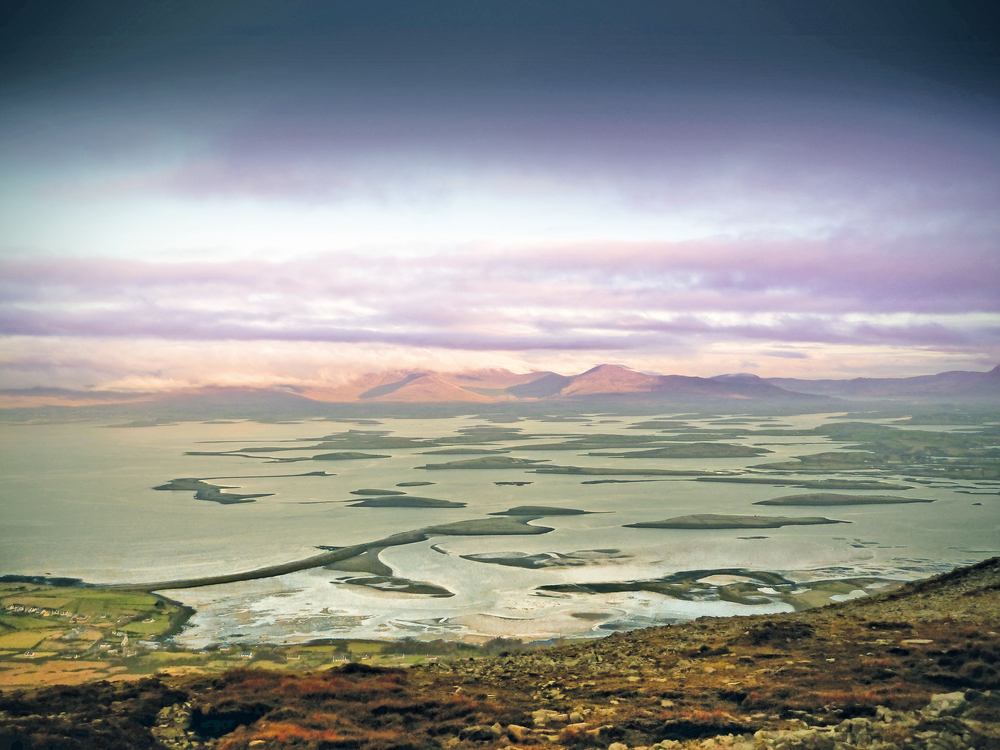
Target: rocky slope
<point x="915" y="668"/>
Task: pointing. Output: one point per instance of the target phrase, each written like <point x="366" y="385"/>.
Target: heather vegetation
<point x="914" y="668"/>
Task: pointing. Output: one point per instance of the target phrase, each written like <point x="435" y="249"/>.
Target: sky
<point x="265" y="193"/>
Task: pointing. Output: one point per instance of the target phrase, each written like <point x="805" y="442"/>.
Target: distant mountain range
<point x="601" y="382"/>
<point x="953" y="384"/>
<point x="622" y="383"/>
<point x="610" y="384"/>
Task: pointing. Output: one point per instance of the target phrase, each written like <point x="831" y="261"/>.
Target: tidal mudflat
<point x="534" y="528"/>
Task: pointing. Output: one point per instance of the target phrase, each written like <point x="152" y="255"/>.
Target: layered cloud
<point x="333" y="194"/>
<point x="608" y="300"/>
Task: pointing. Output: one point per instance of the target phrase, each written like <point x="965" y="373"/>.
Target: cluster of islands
<point x="131" y="627"/>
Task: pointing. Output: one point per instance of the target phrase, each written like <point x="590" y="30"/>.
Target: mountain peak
<point x="610" y="379"/>
<point x="608" y="369"/>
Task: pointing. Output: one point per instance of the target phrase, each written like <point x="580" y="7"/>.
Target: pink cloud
<point x="611" y="296"/>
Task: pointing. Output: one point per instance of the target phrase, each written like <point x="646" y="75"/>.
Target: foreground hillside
<point x="915" y="668"/>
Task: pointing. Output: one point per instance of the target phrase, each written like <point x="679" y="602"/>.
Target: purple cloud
<point x="610" y="296"/>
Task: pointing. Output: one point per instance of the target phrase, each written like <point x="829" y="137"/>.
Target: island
<point x="540" y="510"/>
<point x="539" y="560"/>
<point x="830" y="498"/>
<point x="722" y="521"/>
<point x="404" y="501"/>
<point x="345" y="456"/>
<point x="808" y="484"/>
<point x="614" y="472"/>
<point x="464" y="452"/>
<point x="211" y="492"/>
<point x="487" y="462"/>
<point x="689" y="450"/>
<point x="214" y="492"/>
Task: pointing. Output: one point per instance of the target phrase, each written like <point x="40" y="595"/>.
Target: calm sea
<point x="77" y="500"/>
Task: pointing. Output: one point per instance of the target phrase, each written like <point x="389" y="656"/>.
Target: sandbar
<point x="518" y="525"/>
<point x="367" y="562"/>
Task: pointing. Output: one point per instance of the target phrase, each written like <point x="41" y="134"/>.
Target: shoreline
<point x="477" y="633"/>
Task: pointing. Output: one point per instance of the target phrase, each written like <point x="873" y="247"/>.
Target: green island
<point x="143" y="423"/>
<point x="347" y="456"/>
<point x="661" y="424"/>
<point x="382" y="440"/>
<point x="253" y="453"/>
<point x="487" y="462"/>
<point x="830" y="498"/>
<point x="376" y="492"/>
<point x="596" y="441"/>
<point x="724" y="521"/>
<point x="211" y="492"/>
<point x="614" y="472"/>
<point x="808" y="484"/>
<point x="395" y="585"/>
<point x="404" y="501"/>
<point x="691" y="450"/>
<point x="540" y="510"/>
<point x="702" y="436"/>
<point x="465" y="451"/>
<point x="214" y="492"/>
